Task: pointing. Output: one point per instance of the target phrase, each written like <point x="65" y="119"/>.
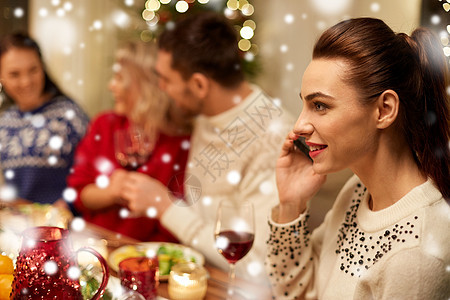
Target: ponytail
<point x="432" y="148"/>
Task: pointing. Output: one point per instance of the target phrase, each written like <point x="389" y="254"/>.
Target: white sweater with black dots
<point x="401" y="252"/>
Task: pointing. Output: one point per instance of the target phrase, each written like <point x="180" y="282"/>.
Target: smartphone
<point x="301" y="145"/>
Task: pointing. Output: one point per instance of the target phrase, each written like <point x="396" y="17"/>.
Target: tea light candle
<point x="187" y="281"/>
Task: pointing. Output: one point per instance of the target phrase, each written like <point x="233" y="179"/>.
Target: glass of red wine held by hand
<point x="133" y="146"/>
<point x="234" y="233"/>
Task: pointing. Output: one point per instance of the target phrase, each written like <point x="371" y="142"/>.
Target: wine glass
<point x="133" y="146"/>
<point x="234" y="234"/>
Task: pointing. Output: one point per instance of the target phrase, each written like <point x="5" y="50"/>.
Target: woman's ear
<point x="199" y="85"/>
<point x="387" y="108"/>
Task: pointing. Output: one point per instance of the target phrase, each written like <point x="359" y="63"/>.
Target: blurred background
<point x="79" y="38"/>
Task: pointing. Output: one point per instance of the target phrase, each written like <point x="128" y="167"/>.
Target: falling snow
<point x="124" y="213"/>
<point x="73" y="273"/>
<point x="206" y="201"/>
<point x="233" y="177"/>
<point x="38" y="121"/>
<point x="255" y="268"/>
<point x="289" y="19"/>
<point x="69" y="195"/>
<point x="55" y="142"/>
<point x="52" y="160"/>
<point x="78" y="224"/>
<point x="50" y="267"/>
<point x="375" y="7"/>
<point x="152" y="212"/>
<point x="221" y="242"/>
<point x="266" y="187"/>
<point x="9" y="174"/>
<point x="8" y="192"/>
<point x="185" y="145"/>
<point x="166" y="158"/>
<point x="102" y="181"/>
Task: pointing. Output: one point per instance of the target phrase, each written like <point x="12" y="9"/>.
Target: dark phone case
<point x="300" y="144"/>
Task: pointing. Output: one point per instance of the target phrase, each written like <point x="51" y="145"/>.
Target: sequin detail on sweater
<point x="358" y="250"/>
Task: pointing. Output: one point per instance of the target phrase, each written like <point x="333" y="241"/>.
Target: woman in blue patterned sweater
<point x="39" y="133"/>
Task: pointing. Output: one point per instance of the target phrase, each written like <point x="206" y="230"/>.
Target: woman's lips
<point x="315" y="149"/>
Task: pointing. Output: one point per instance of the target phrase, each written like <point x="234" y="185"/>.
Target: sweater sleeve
<point x="293" y="256"/>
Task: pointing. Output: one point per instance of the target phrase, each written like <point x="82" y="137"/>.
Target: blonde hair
<point x="137" y="60"/>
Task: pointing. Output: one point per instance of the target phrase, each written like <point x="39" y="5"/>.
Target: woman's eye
<point x="318" y="106"/>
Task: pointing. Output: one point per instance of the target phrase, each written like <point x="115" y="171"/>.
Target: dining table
<point x="217" y="284"/>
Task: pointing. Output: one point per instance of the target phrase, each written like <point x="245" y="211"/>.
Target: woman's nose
<point x="111" y="84"/>
<point x="25" y="80"/>
<point x="303" y="126"/>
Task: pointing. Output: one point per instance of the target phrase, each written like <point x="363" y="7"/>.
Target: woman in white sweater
<point x="373" y="101"/>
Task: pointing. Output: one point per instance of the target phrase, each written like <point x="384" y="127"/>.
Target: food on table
<point x="5" y="286"/>
<point x="6" y="265"/>
<point x="168" y="256"/>
<point x="6" y="276"/>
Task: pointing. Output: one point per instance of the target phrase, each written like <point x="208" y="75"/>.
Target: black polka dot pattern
<point x="358" y="250"/>
<point x="288" y="243"/>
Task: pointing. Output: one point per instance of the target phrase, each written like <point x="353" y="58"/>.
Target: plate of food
<point x="168" y="255"/>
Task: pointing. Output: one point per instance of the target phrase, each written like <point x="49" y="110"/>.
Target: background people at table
<point x="237" y="135"/>
<point x="119" y="204"/>
<point x="38" y="134"/>
<point x="376" y="102"/>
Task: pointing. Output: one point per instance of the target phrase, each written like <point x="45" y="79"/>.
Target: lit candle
<point x="187" y="281"/>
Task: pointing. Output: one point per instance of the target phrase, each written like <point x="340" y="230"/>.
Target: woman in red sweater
<point x="110" y="195"/>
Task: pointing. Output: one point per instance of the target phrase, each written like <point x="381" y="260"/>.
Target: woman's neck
<point x="32" y="105"/>
<point x="389" y="175"/>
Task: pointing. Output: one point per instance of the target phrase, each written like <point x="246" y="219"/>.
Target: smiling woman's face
<point x="23" y="78"/>
<point x="334" y="122"/>
<point x="125" y="90"/>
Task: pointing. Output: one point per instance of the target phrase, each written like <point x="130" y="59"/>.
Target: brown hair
<point x="415" y="68"/>
<point x="23" y="41"/>
<point x="206" y="43"/>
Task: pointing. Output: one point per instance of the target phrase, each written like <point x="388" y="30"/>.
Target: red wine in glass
<point x="234" y="234"/>
<point x="132" y="147"/>
<point x="237" y="244"/>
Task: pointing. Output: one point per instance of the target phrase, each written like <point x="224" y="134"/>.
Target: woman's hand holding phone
<point x="296" y="180"/>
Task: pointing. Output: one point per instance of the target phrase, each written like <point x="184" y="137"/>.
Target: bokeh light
<point x="246" y="32"/>
<point x="182" y="6"/>
<point x="244" y="45"/>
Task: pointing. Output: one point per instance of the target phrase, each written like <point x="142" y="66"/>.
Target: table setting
<point x="40" y="248"/>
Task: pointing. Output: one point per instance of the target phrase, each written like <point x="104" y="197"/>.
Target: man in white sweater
<point x="236" y="140"/>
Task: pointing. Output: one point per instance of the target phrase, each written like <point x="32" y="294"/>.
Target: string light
<point x="182" y="6"/>
<point x="153" y="11"/>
